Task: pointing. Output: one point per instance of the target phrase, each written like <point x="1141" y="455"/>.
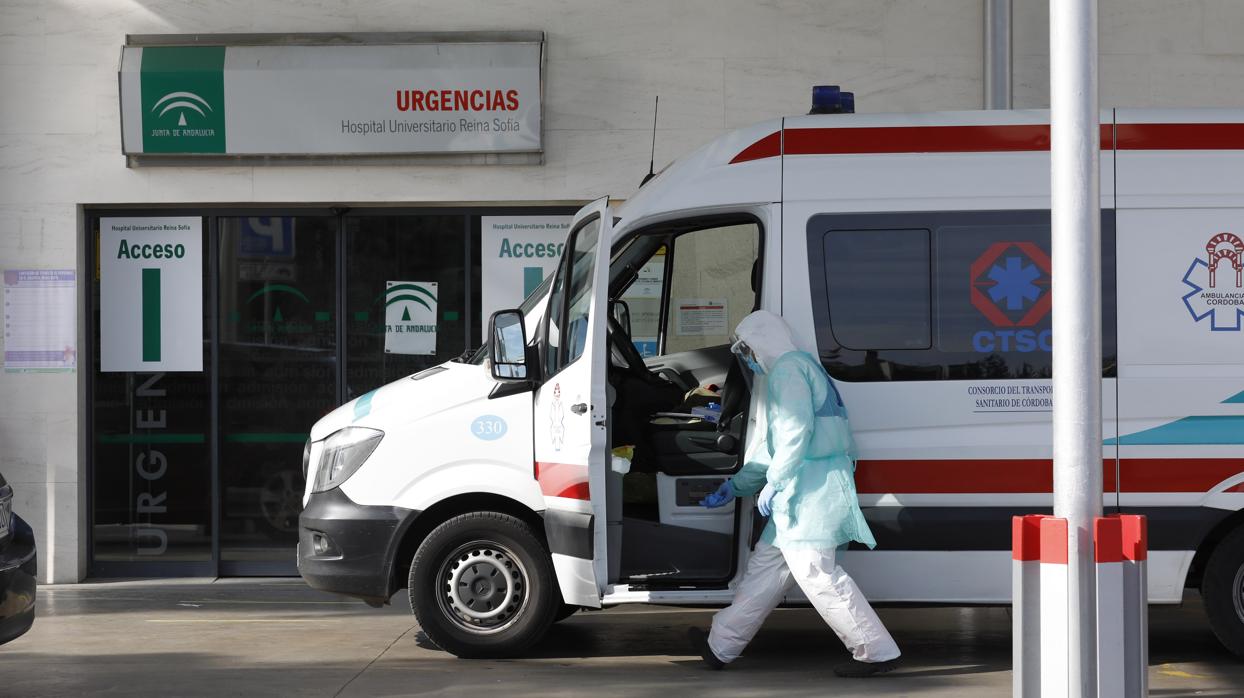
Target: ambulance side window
<point x="571" y="299"/>
<point x="879" y="288"/>
<point x="945" y="295"/>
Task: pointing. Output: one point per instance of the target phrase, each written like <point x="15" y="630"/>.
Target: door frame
<point x="214" y="566"/>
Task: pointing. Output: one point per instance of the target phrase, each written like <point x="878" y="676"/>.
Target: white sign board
<point x="517" y="253"/>
<point x="151" y="294"/>
<point x="40" y="320"/>
<point x="702" y="316"/>
<point x="410" y="317"/>
<point x="466" y="97"/>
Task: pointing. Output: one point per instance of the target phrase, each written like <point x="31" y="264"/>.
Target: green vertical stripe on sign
<point x="532" y="277"/>
<point x="151" y="314"/>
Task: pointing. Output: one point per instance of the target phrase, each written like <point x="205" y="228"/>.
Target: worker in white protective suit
<point x="804" y="471"/>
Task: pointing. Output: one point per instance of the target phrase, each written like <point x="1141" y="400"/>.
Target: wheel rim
<point x="280" y="500"/>
<point x="483" y="587"/>
<point x="1237" y="593"/>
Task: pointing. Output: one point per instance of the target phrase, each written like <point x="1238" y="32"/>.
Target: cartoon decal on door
<point x="557" y="418"/>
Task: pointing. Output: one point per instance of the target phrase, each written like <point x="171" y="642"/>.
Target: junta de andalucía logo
<point x="180" y="103"/>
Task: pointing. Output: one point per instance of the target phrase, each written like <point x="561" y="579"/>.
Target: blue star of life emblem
<point x="1223" y="306"/>
<point x="1015" y="283"/>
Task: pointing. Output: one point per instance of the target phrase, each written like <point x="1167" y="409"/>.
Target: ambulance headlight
<point x="344" y="451"/>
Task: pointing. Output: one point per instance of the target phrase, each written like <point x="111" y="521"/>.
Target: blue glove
<point x="720" y="498"/>
<point x="764" y="502"/>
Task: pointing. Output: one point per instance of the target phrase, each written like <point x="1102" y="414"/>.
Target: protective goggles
<point x="739" y="347"/>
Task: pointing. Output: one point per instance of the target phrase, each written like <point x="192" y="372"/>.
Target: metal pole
<point x="1075" y="143"/>
<point x="997" y="54"/>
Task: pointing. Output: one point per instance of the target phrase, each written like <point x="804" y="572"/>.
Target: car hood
<point x="409" y="399"/>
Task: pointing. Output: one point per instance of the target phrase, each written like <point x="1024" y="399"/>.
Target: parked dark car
<point x="18" y="565"/>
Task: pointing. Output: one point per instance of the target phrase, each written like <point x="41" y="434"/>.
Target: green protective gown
<point x="808" y="455"/>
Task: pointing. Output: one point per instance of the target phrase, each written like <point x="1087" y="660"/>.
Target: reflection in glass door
<point x="277" y="372"/>
<point x="149" y="457"/>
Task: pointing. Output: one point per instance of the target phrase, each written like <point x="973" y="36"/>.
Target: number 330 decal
<point x="489" y="427"/>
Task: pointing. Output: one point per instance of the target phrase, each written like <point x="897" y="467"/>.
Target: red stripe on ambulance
<point x="1037" y="475"/>
<point x="768" y="147"/>
<point x="568" y="480"/>
<point x="985" y="139"/>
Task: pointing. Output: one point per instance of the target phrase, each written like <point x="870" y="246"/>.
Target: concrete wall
<point x="717" y="64"/>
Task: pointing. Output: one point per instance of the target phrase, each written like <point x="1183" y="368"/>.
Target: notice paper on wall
<point x="702" y="317"/>
<point x="517" y="253"/>
<point x="410" y="317"/>
<point x="40" y="320"/>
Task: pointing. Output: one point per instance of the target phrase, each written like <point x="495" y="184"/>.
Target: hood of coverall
<point x="768" y="336"/>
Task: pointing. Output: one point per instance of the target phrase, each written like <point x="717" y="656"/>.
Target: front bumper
<point x="362" y="542"/>
<point x="19" y="563"/>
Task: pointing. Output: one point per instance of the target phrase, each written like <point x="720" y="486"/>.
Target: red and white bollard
<point x="1040" y="618"/>
<point x="1039" y="605"/>
<point x="1120" y="544"/>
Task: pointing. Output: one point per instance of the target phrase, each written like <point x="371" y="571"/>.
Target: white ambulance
<point x="910" y="252"/>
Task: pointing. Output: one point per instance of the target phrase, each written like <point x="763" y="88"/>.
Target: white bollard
<point x="1121" y="550"/>
<point x="1136" y="603"/>
<point x="1054" y="613"/>
<point x="1111" y="626"/>
<point x="1026" y="605"/>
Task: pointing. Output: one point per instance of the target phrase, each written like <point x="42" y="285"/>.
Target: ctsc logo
<point x="1217" y="293"/>
<point x="1010" y="286"/>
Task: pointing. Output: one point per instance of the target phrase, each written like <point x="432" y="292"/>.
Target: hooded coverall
<point x="808" y="457"/>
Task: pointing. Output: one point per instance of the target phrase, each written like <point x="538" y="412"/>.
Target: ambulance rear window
<point x="942" y="295"/>
<point x="879" y="288"/>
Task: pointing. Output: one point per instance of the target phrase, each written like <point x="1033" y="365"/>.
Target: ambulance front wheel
<point x="565" y="612"/>
<point x="1222" y="591"/>
<point x="482" y="585"/>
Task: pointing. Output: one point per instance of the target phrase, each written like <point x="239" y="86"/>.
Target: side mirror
<point x="507" y="346"/>
<point x="621" y="312"/>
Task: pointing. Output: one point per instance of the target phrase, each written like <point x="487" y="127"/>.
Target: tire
<point x="482" y="585"/>
<point x="565" y="612"/>
<point x="1222" y="590"/>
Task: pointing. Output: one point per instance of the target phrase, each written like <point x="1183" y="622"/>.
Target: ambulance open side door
<point x="571" y="439"/>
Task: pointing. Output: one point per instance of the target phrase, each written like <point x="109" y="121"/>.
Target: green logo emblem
<point x="183" y="99"/>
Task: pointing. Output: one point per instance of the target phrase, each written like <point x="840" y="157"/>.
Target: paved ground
<point x="277" y="637"/>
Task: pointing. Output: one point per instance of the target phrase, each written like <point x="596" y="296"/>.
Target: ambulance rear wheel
<point x="482" y="585"/>
<point x="1222" y="591"/>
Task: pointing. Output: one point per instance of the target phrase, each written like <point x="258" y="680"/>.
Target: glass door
<point x="277" y="375"/>
<point x="149" y="446"/>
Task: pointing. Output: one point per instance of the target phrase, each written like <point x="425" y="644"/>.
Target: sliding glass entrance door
<point x="277" y="376"/>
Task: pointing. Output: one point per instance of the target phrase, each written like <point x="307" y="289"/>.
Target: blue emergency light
<point x="829" y="99"/>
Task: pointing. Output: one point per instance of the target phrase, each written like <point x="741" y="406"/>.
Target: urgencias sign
<point x="332" y="99"/>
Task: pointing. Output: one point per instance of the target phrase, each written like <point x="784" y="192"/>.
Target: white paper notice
<point x="40" y="320"/>
<point x="702" y="316"/>
<point x="410" y="317"/>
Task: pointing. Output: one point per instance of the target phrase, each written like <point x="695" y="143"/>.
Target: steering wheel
<point x="622" y="344"/>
